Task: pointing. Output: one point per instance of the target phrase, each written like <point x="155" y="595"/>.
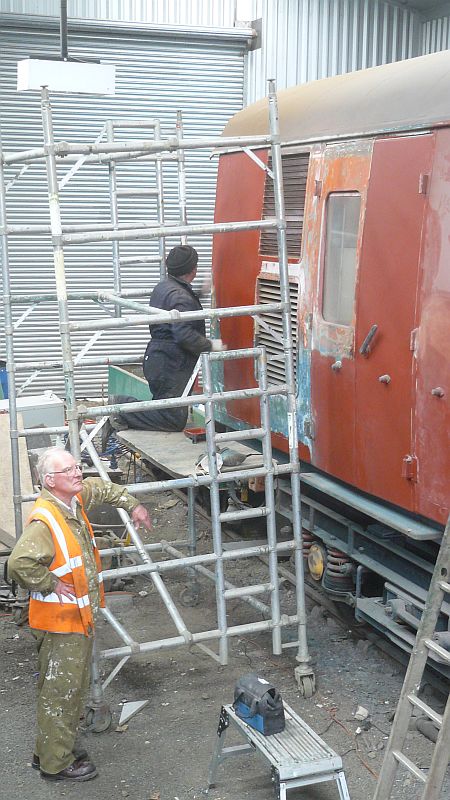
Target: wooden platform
<point x="176" y="454"/>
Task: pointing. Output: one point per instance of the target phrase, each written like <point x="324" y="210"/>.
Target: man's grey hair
<point x="46" y="462"/>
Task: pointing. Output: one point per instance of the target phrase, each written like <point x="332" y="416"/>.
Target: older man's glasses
<point x="68" y="470"/>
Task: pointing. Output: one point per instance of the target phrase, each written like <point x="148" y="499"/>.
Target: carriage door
<point x="333" y="257"/>
<point x="385" y="318"/>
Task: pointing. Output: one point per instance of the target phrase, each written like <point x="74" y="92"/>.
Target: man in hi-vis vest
<point x="57" y="560"/>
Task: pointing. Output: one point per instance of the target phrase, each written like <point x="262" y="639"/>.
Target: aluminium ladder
<point x="424" y="644"/>
<point x="117" y="192"/>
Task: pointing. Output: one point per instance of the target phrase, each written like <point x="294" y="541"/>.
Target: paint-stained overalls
<point x="64" y="658"/>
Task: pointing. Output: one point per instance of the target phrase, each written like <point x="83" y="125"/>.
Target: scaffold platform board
<point x="178" y="455"/>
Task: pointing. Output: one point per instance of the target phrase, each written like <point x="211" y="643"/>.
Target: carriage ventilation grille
<point x="295" y="173"/>
<point x="269" y="292"/>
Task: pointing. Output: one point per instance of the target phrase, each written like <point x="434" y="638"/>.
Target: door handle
<point x="337" y="365"/>
<point x="365" y="347"/>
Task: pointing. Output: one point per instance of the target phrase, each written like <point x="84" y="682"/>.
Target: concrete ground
<point x="164" y="751"/>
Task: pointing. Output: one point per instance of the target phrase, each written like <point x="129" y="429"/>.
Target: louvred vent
<point x="268" y="291"/>
<point x="295" y="173"/>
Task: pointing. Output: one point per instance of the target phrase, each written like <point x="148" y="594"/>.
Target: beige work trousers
<point x="64" y="661"/>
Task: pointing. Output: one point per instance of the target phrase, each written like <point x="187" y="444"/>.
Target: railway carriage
<point x="366" y="173"/>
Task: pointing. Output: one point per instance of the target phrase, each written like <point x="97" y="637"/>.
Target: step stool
<point x="297" y="756"/>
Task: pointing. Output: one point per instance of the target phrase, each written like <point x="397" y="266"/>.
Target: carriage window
<point x="339" y="269"/>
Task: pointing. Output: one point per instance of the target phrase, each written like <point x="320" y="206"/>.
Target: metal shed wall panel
<point x="303" y="40"/>
<point x="436" y="35"/>
<point x="155" y="77"/>
<point x="219" y="13"/>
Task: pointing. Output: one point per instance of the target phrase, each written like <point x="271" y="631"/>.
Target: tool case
<point x="259" y="704"/>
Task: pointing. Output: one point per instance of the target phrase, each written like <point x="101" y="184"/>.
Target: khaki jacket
<point x="34" y="552"/>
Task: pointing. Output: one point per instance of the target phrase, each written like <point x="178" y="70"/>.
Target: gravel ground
<point x="164" y="751"/>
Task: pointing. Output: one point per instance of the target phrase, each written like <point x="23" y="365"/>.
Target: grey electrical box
<point x="37" y="410"/>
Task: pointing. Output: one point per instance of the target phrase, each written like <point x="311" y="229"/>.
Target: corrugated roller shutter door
<point x="154" y="78"/>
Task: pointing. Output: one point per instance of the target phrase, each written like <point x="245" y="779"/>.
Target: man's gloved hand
<point x="217" y="346"/>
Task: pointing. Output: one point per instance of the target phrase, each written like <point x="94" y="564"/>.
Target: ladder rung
<point x="250" y="513"/>
<point x="239" y="436"/>
<point x="134" y="123"/>
<point x="436" y="648"/>
<point x="445" y="586"/>
<point x="402" y="759"/>
<point x="437" y="718"/>
<point x="247" y="591"/>
<point x="140" y="260"/>
<point x="137" y="192"/>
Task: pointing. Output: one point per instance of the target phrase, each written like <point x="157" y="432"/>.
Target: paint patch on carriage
<point x="305" y="420"/>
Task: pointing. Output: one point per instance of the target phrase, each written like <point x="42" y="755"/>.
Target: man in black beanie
<point x="174" y="347"/>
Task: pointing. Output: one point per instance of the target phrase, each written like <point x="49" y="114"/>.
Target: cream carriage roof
<point x="406" y="95"/>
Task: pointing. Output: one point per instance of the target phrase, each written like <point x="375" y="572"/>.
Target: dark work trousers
<point x="64" y="670"/>
<point x="167" y="368"/>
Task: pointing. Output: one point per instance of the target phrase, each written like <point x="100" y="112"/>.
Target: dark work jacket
<point x="174" y="293"/>
<point x="181" y="341"/>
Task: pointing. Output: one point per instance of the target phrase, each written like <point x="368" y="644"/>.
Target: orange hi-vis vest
<point x="46" y="612"/>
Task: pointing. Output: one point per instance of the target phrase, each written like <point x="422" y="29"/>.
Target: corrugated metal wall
<point x="303" y="40"/>
<point x="155" y="77"/>
<point x="159" y="71"/>
<point x="436" y="35"/>
<point x="219" y="13"/>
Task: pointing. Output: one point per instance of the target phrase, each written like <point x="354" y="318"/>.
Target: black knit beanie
<point x="181" y="260"/>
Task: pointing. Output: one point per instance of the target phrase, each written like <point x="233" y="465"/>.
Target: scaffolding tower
<point x="211" y="565"/>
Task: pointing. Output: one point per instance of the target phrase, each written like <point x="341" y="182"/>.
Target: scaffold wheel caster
<point x="190" y="596"/>
<point x="98" y="719"/>
<point x="306" y="685"/>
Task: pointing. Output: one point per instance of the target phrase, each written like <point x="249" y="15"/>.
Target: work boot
<point x="79" y="754"/>
<point x="78" y="771"/>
